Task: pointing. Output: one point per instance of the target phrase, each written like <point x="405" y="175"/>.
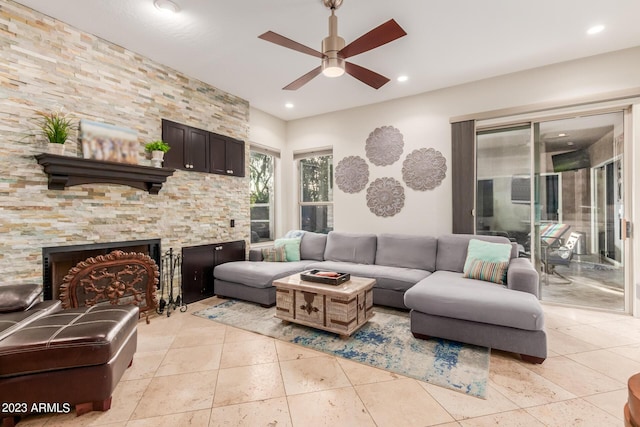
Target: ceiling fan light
<point x="333" y="72"/>
<point x="333" y="67"/>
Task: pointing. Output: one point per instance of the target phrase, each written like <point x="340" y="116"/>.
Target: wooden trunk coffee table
<point x="335" y="308"/>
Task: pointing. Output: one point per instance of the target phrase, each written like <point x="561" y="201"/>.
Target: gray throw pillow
<point x="312" y="246"/>
<point x="351" y="247"/>
<point x="407" y="251"/>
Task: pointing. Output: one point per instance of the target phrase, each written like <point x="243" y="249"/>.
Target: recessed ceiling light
<point x="595" y="29"/>
<point x="166" y="6"/>
<point x="562" y="134"/>
<point x="289" y="105"/>
<point x="403" y="78"/>
<point x="570" y="143"/>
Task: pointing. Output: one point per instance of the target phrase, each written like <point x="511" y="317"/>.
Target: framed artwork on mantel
<point x="101" y="141"/>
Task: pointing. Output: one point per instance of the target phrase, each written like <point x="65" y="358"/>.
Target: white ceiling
<point x="448" y="43"/>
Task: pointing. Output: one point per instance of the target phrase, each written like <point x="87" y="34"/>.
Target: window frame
<point x="306" y="155"/>
<point x="274" y="155"/>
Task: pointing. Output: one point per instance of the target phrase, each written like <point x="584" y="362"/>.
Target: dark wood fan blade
<point x="382" y="34"/>
<point x="365" y="75"/>
<point x="297" y="84"/>
<point x="272" y="37"/>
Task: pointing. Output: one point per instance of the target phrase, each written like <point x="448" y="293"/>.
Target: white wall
<point x="270" y="131"/>
<point x="266" y="129"/>
<point x="424" y="121"/>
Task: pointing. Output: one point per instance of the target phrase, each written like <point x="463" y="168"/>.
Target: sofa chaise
<point x="447" y="305"/>
<point x="423" y="274"/>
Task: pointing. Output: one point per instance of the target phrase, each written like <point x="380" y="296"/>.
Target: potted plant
<point x="55" y="126"/>
<point x="157" y="150"/>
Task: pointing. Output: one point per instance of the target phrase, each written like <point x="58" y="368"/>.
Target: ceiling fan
<point x="334" y="52"/>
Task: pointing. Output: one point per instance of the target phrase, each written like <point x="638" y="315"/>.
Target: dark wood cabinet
<point x="175" y="135"/>
<point x="226" y="155"/>
<point x="198" y="263"/>
<point x="217" y="155"/>
<point x="198" y="141"/>
<point x="197" y="150"/>
<point x="234" y="156"/>
<point x="197" y="268"/>
<point x="187" y="145"/>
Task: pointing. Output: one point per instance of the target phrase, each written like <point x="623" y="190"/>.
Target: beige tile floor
<point x="193" y="371"/>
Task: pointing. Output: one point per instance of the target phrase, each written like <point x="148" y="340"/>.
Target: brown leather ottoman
<point x="69" y="358"/>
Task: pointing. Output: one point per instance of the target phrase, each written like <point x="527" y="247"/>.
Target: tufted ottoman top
<point x="11" y="322"/>
<point x="68" y="339"/>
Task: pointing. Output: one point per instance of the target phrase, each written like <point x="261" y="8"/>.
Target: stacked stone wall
<point x="47" y="65"/>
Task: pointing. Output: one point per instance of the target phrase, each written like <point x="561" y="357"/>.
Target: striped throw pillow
<point x="274" y="254"/>
<point x="495" y="272"/>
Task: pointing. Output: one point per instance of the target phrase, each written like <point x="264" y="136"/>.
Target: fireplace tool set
<point x="170" y="264"/>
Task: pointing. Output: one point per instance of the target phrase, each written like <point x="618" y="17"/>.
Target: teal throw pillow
<point x="487" y="252"/>
<point x="274" y="254"/>
<point x="291" y="248"/>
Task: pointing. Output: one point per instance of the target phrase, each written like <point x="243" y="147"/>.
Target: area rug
<point x="384" y="342"/>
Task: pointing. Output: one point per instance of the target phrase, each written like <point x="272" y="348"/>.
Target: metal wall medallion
<point x="385" y="197"/>
<point x="352" y="174"/>
<point x="424" y="169"/>
<point x="384" y="146"/>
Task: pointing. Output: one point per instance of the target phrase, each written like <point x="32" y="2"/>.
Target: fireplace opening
<point x="58" y="260"/>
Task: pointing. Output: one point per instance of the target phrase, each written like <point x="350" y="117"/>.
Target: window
<point x="316" y="192"/>
<point x="261" y="173"/>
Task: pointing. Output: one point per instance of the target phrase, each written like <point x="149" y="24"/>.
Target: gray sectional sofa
<point x="419" y="273"/>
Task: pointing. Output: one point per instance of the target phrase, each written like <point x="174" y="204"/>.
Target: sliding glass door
<point x="581" y="254"/>
<point x="607" y="220"/>
<point x="503" y="190"/>
<point x="555" y="187"/>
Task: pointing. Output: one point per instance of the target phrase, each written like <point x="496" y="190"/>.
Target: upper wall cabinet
<point x="226" y="155"/>
<point x="197" y="150"/>
<point x="188" y="146"/>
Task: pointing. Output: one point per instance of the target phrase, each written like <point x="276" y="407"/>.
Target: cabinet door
<point x="197" y="273"/>
<point x="176" y="135"/>
<point x="229" y="251"/>
<point x="235" y="157"/>
<point x="197" y="148"/>
<point x="217" y="154"/>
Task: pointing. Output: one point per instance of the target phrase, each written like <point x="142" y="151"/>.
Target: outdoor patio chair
<point x="561" y="254"/>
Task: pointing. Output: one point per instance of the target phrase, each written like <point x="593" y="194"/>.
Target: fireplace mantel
<point x="66" y="171"/>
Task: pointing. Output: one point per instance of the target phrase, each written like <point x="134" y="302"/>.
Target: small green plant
<point x="55" y="126"/>
<point x="157" y="146"/>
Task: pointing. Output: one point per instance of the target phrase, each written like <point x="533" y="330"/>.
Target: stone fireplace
<point x="58" y="260"/>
